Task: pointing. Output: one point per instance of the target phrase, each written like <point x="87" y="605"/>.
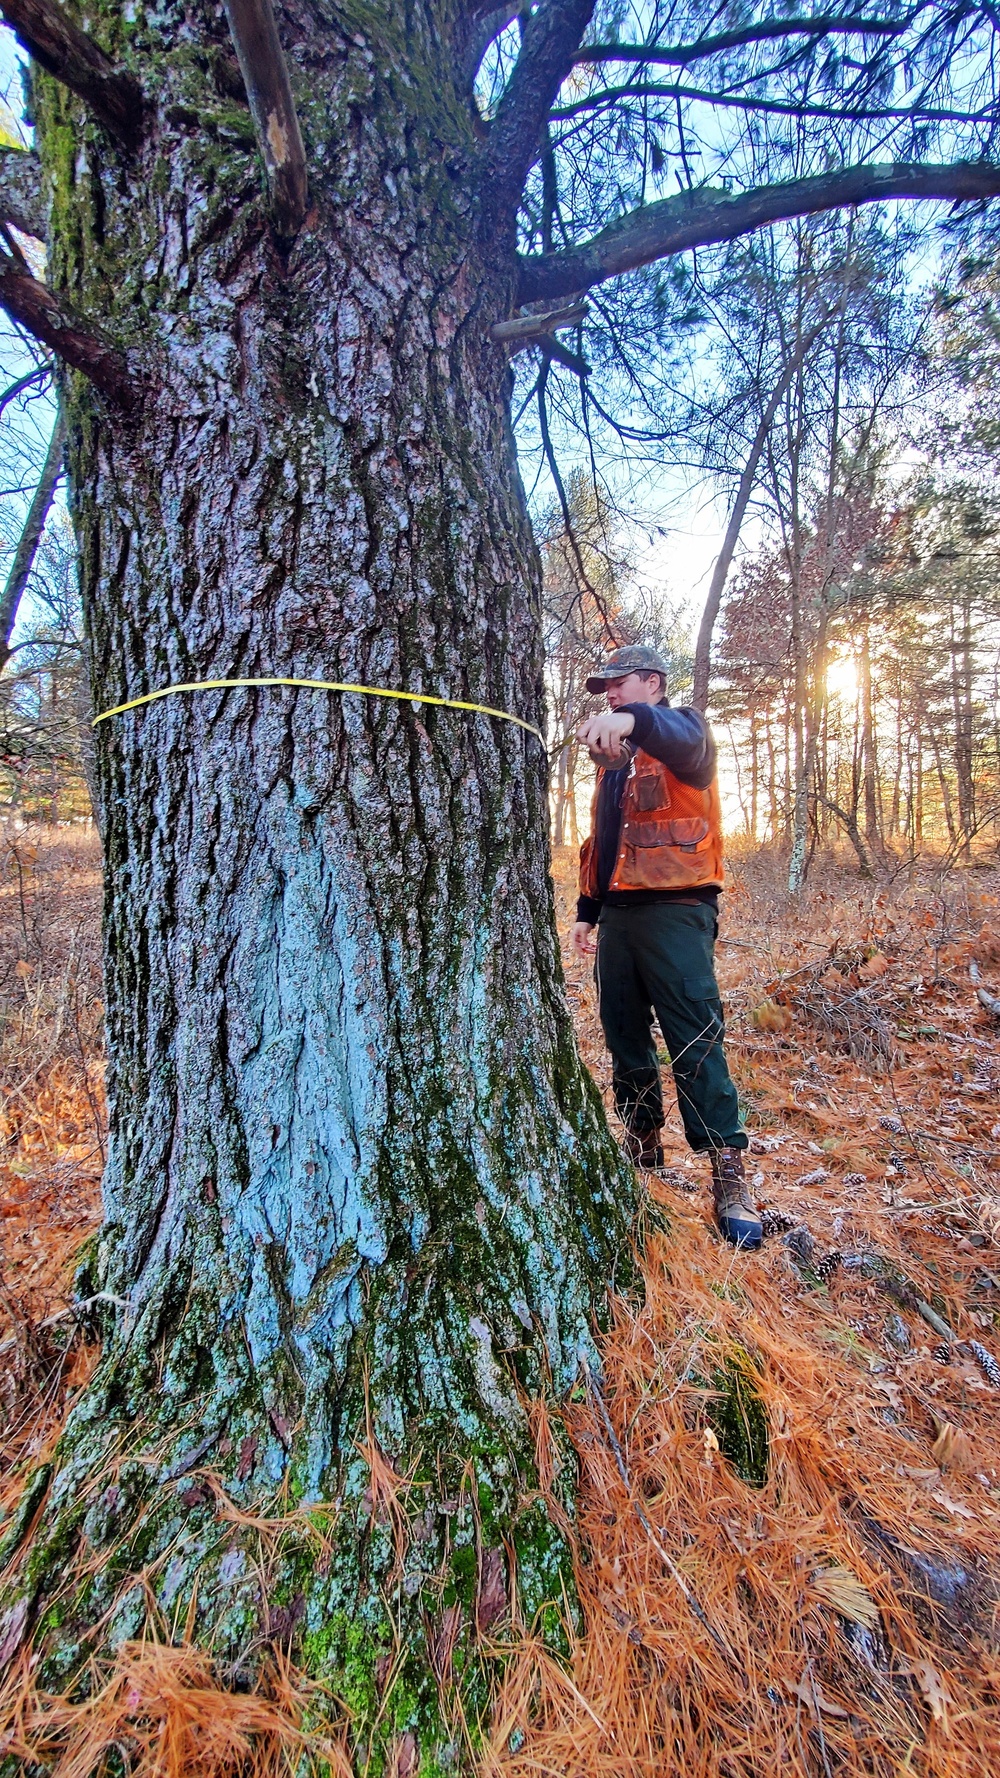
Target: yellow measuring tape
<point x="371" y="691"/>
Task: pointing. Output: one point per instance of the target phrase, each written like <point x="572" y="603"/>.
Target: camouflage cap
<point x="633" y="659"/>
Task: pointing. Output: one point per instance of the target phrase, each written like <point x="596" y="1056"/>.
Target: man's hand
<point x="605" y="733"/>
<point x="584" y="938"/>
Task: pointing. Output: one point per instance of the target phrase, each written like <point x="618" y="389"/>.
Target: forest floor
<point x="790" y="1499"/>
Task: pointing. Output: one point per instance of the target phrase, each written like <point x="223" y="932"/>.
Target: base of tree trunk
<point x="445" y="1521"/>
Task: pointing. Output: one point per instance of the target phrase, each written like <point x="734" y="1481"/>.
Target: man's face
<point x="635" y="688"/>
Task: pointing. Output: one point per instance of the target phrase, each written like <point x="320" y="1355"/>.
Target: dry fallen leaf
<point x="876" y="965"/>
<point x="934" y="1689"/>
<point x="952" y="1506"/>
<point x="952" y="1449"/>
<point x="491" y="1600"/>
<point x="890" y="1390"/>
<point x="809" y="1692"/>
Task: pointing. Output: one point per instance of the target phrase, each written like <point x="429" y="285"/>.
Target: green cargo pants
<point x="660" y="958"/>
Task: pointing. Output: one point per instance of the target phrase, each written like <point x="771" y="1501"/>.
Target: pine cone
<point x="775" y="1222"/>
<point x="986" y="1362"/>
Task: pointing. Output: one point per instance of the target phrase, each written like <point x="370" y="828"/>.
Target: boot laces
<point x="729" y="1180"/>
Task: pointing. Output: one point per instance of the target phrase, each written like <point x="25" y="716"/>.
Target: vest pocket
<point x="688" y="833"/>
<point x="649" y="792"/>
<point x="691" y="834"/>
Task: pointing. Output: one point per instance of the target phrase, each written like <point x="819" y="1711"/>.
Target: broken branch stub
<point x="269" y="90"/>
<point x="520" y="330"/>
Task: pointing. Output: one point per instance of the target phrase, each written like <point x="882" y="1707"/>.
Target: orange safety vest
<point x="671" y="833"/>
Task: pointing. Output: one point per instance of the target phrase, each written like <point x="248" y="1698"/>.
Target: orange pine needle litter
<point x="824" y="1654"/>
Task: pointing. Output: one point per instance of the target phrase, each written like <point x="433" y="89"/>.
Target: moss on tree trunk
<point x="361" y="1200"/>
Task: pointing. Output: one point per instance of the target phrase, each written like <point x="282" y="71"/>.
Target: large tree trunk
<point x="361" y="1194"/>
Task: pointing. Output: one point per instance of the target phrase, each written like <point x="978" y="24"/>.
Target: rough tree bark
<point x="361" y="1201"/>
<point x="361" y="1192"/>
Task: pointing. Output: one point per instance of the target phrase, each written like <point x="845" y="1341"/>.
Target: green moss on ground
<point x="738" y="1417"/>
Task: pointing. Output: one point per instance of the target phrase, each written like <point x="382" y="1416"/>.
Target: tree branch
<point x="551" y="348"/>
<point x="43" y="314"/>
<point x="27" y="543"/>
<point x="567" y="516"/>
<point x="483" y="30"/>
<point x="269" y="90"/>
<point x="551" y="36"/>
<point x="681" y="55"/>
<point x="703" y="217"/>
<point x="51" y="39"/>
<point x="34" y="377"/>
<point x="740" y="101"/>
<point x="21" y="191"/>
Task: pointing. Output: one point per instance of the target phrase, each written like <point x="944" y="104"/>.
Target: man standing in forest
<point x="651" y="873"/>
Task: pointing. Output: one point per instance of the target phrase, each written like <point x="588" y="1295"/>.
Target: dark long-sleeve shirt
<point x="682" y="740"/>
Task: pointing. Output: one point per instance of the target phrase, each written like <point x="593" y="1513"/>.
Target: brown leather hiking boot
<point x="644" y="1149"/>
<point x="734" y="1208"/>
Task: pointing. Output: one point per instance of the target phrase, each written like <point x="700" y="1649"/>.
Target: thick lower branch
<point x="21" y="191"/>
<point x="551" y="36"/>
<point x="38" y="309"/>
<point x="703" y="218"/>
<point x="59" y="46"/>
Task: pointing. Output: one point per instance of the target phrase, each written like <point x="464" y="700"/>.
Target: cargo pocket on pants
<point x="701" y="987"/>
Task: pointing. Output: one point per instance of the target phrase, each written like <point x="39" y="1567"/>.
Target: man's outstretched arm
<point x="680" y="739"/>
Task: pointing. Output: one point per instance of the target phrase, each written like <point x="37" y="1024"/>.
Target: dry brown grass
<point x="51" y="1125"/>
<point x="732" y="1629"/>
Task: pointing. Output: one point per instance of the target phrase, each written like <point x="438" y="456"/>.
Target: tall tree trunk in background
<point x="800" y="759"/>
<point x="809" y="704"/>
<point x="572" y="760"/>
<point x="720" y="573"/>
<point x="559" y="817"/>
<point x="745" y="487"/>
<point x="869" y="764"/>
<point x="823" y="767"/>
<point x="19" y="572"/>
<point x="942" y="777"/>
<point x="897" y="788"/>
<point x="361" y="1195"/>
<point x="788" y="780"/>
<point x="962" y="677"/>
<point x="772" y="781"/>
